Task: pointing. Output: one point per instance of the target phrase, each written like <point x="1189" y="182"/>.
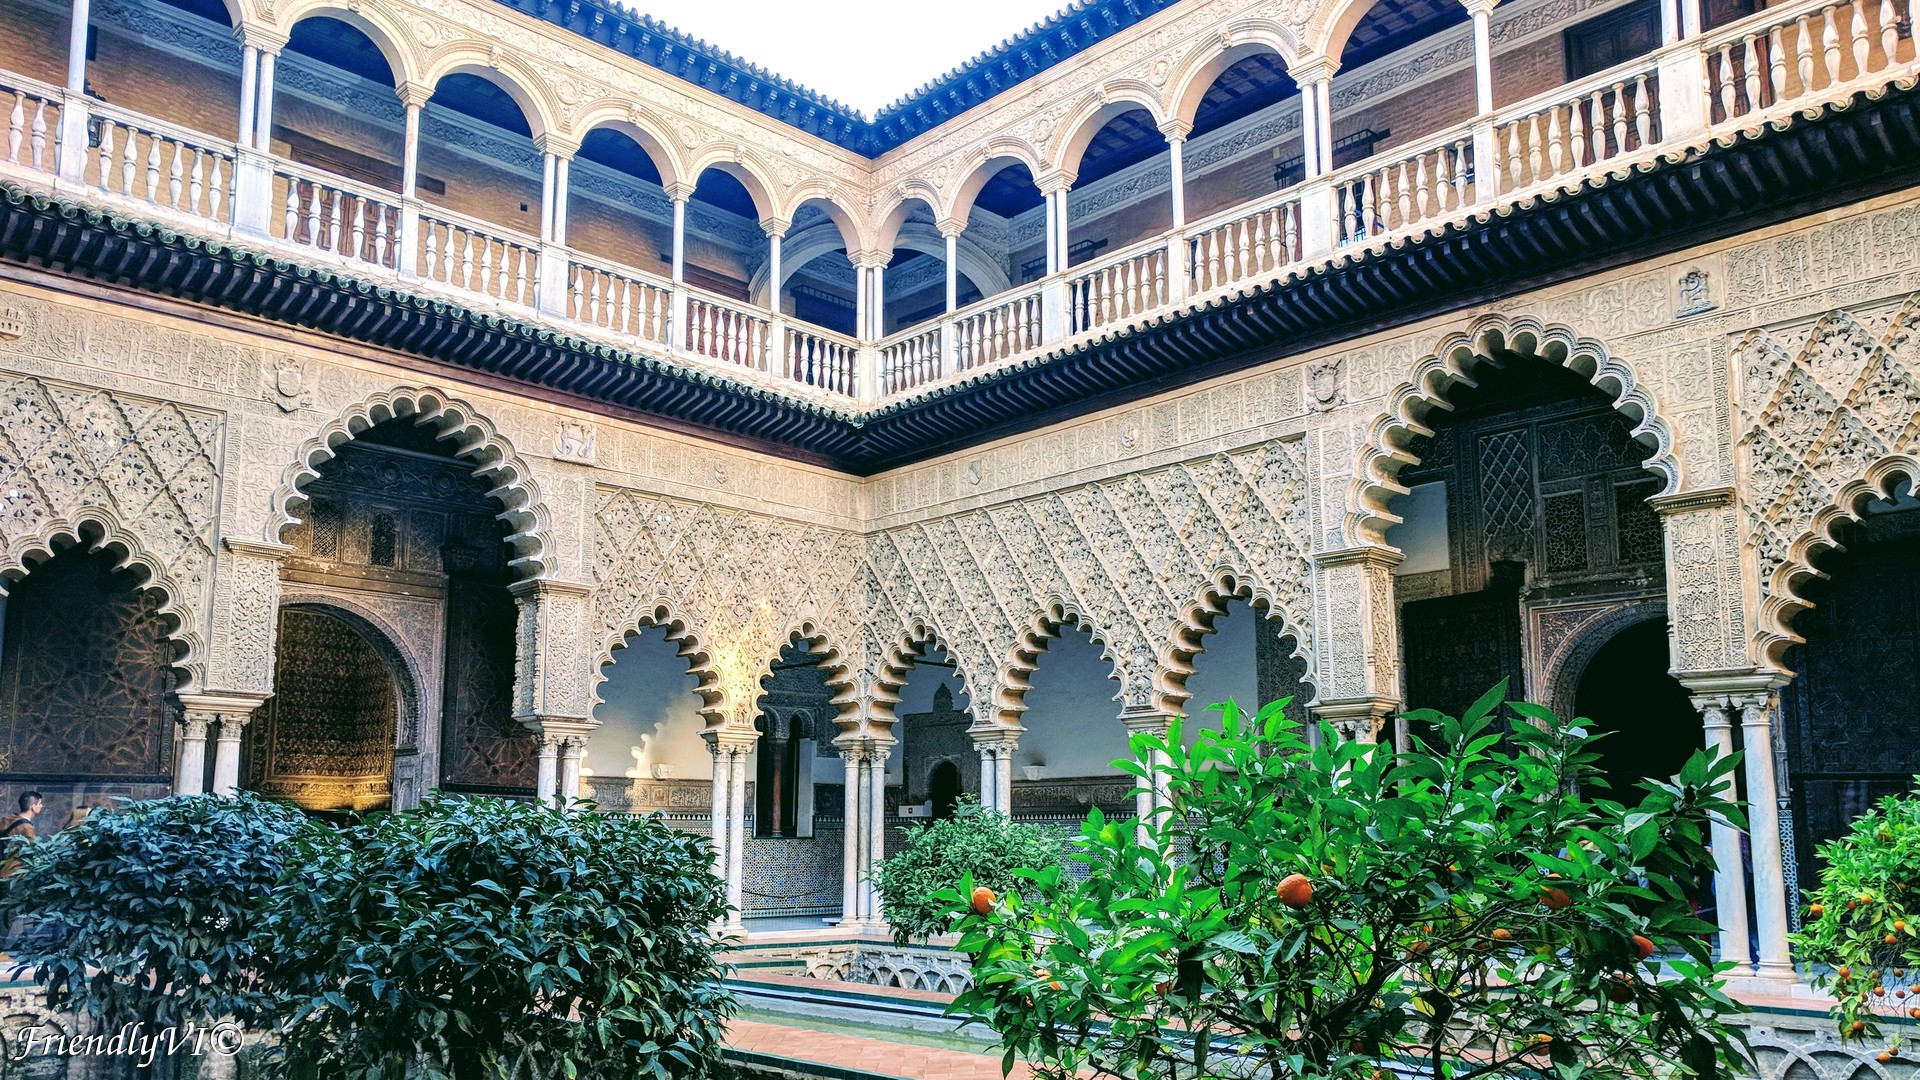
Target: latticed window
<point x="385" y="538"/>
<point x="1637" y="523"/>
<point x="329" y="519"/>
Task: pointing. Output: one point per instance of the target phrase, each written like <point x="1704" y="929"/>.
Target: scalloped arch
<point x="100" y="529"/>
<point x="658" y="614"/>
<point x="913" y="643"/>
<point x="474" y="439"/>
<point x="1015" y="676"/>
<point x="810" y="636"/>
<point x="1493" y="339"/>
<point x="1784" y="597"/>
<point x="1196" y="621"/>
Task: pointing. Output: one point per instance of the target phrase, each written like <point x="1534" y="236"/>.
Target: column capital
<point x="540" y="588"/>
<point x="1150" y="720"/>
<point x="264" y="38"/>
<point x="951" y="227"/>
<point x="679" y="191"/>
<point x="414" y="94"/>
<point x="1312" y="69"/>
<point x="733" y="740"/>
<point x="558" y="727"/>
<point x="549" y="142"/>
<point x="1480" y="7"/>
<point x="1055" y="181"/>
<point x="870" y="260"/>
<point x="996" y="739"/>
<point x="257" y="549"/>
<point x="1713" y="712"/>
<point x="1357" y="719"/>
<point x="1176" y="129"/>
<point x="222" y="704"/>
<point x="1726" y="685"/>
<point x="1373" y="556"/>
<point x="196" y="724"/>
<point x="1681" y="502"/>
<point x="774" y="226"/>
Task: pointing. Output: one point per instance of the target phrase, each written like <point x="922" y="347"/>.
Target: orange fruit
<point x="1295" y="891"/>
<point x="1501" y="933"/>
<point x="983" y="899"/>
<point x="1642" y="946"/>
<point x="1556" y="899"/>
<point x="1620" y="991"/>
<point x="1816" y="911"/>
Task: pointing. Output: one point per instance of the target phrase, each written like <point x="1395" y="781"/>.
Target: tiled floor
<point x="869" y="1055"/>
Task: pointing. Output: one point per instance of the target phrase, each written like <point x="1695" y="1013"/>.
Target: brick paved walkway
<point x="907" y="1060"/>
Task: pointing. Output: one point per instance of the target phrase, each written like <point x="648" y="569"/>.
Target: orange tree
<point x="1863" y="927"/>
<point x="1471" y="908"/>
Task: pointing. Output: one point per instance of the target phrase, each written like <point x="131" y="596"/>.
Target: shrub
<point x="145" y="912"/>
<point x="1863" y="924"/>
<point x="1470" y="910"/>
<point x="984" y="843"/>
<point x="473" y="935"/>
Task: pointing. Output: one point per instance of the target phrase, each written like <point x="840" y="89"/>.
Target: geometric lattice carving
<point x="77" y="460"/>
<point x="481" y="744"/>
<point x="1829" y="415"/>
<point x="85" y="676"/>
<point x="1566" y="531"/>
<point x="1506" y="494"/>
<point x="326" y="737"/>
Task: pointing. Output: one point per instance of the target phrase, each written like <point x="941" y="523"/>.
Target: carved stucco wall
<point x="1126" y="521"/>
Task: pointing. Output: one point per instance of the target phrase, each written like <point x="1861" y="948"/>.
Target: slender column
<point x="1729" y="877"/>
<point x="851" y="761"/>
<point x="1053" y="232"/>
<point x="1690" y="21"/>
<point x="190" y="775"/>
<point x="1482" y="11"/>
<point x="1309" y="130"/>
<point x="1003" y="780"/>
<point x="773" y="272"/>
<point x="1064" y="242"/>
<point x="77" y="47"/>
<point x="989" y="776"/>
<point x="1178" y="172"/>
<point x="737" y="838"/>
<point x="410" y="161"/>
<point x="680" y="234"/>
<point x="546" y="784"/>
<point x="862" y="303"/>
<point x="570" y="749"/>
<point x="249" y="90"/>
<point x="862" y="795"/>
<point x="263" y="113"/>
<point x="722" y="781"/>
<point x="1147" y="798"/>
<point x="879" y="307"/>
<point x="562" y="186"/>
<point x="1323" y="89"/>
<point x="226" y="752"/>
<point x="549" y="170"/>
<point x="953" y="270"/>
<point x="877" y="824"/>
<point x="1763" y="818"/>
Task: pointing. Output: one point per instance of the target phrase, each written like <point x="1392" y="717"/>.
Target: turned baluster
<point x="466" y="258"/>
<point x="380" y="237"/>
<point x="1889" y="32"/>
<point x="106" y="156"/>
<point x="357" y="236"/>
<point x="37" y="139"/>
<point x="1620" y="107"/>
<point x="197" y="183"/>
<point x="1830" y="42"/>
<point x="153" y="168"/>
<point x="333" y="225"/>
<point x="1556" y="156"/>
<point x="1514" y="161"/>
<point x="1642" y="111"/>
<point x="293" y="210"/>
<point x="16" y="127"/>
<point x="1858" y="32"/>
<point x="1726" y="82"/>
<point x="1751" y="61"/>
<point x="176" y="174"/>
<point x="129" y="161"/>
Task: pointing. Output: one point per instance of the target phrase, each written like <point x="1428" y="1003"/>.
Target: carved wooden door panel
<point x="1848" y="717"/>
<point x="1457" y="647"/>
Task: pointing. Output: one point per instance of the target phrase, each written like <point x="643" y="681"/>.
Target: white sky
<point x="863" y="53"/>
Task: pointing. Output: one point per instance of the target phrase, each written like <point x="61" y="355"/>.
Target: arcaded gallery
<point x="524" y="398"/>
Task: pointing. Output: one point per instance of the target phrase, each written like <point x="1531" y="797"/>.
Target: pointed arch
<point x="688" y="646"/>
<point x="1496" y="340"/>
<point x="385" y="33"/>
<point x="473" y="438"/>
<point x="98" y="529"/>
<point x="486" y="61"/>
<point x="1015" y="676"/>
<point x="1196" y="620"/>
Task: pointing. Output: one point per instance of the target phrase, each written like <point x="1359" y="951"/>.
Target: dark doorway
<point x="1650" y="726"/>
<point x="328" y="738"/>
<point x="944" y="785"/>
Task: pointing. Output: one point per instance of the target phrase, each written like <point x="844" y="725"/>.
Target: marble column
<point x="853" y="762"/>
<point x="571" y="749"/>
<point x="680" y="197"/>
<point x="226" y="752"/>
<point x="546" y="783"/>
<point x="1763" y="819"/>
<point x="1176" y="145"/>
<point x="1309" y="130"/>
<point x="1482" y="13"/>
<point x="953" y="269"/>
<point x="718" y="804"/>
<point x="249" y="91"/>
<point x="737" y="832"/>
<point x="877" y="826"/>
<point x="190" y="772"/>
<point x="773" y="266"/>
<point x="1729" y="870"/>
<point x="77" y="46"/>
<point x="263" y="112"/>
<point x="989" y="774"/>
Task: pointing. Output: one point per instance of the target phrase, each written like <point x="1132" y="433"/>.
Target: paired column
<point x="1054" y="192"/>
<point x="864" y="836"/>
<point x="1315" y="79"/>
<point x="553" y="194"/>
<point x="1482" y="12"/>
<point x="876" y="829"/>
<point x="869" y="299"/>
<point x="1152" y="795"/>
<point x="854" y="761"/>
<point x="996" y="747"/>
<point x="1178" y="275"/>
<point x="226" y="752"/>
<point x="253" y="177"/>
<point x="1729" y="870"/>
<point x="731" y="752"/>
<point x="72" y="163"/>
<point x="206" y="716"/>
<point x="1764" y="819"/>
<point x="679" y="192"/>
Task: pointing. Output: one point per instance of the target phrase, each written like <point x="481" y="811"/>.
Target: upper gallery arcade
<point x="574" y="168"/>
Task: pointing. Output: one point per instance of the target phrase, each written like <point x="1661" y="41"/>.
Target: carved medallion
<point x="1325" y="389"/>
<point x="574" y="441"/>
<point x="13" y="323"/>
<point x="292" y="387"/>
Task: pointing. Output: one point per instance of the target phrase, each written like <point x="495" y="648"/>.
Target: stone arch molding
<point x="919" y="637"/>
<point x="1196" y="621"/>
<point x="474" y="439"/>
<point x="1042" y="629"/>
<point x="1830" y="420"/>
<point x="385" y="639"/>
<point x="687" y="643"/>
<point x="1496" y="340"/>
<point x="131" y="475"/>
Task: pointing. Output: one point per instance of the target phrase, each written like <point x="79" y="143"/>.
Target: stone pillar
<point x="879" y="305"/>
<point x="862" y="302"/>
<point x="680" y="193"/>
<point x="1176" y="143"/>
<point x="1763" y="818"/>
<point x="996" y="746"/>
<point x="1729" y="870"/>
<point x="877" y="828"/>
<point x="717" y="802"/>
<point x="571" y="751"/>
<point x="190" y="769"/>
<point x="1152" y="795"/>
<point x="774" y="233"/>
<point x="263" y="111"/>
<point x="249" y="91"/>
<point x="1482" y="12"/>
<point x="852" y="837"/>
<point x="1359" y="655"/>
<point x="953" y="267"/>
<point x="1313" y="76"/>
<point x="546" y="784"/>
<point x="1053" y="232"/>
<point x="737" y="830"/>
<point x="413" y="98"/>
<point x="989" y="774"/>
<point x="226" y="752"/>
